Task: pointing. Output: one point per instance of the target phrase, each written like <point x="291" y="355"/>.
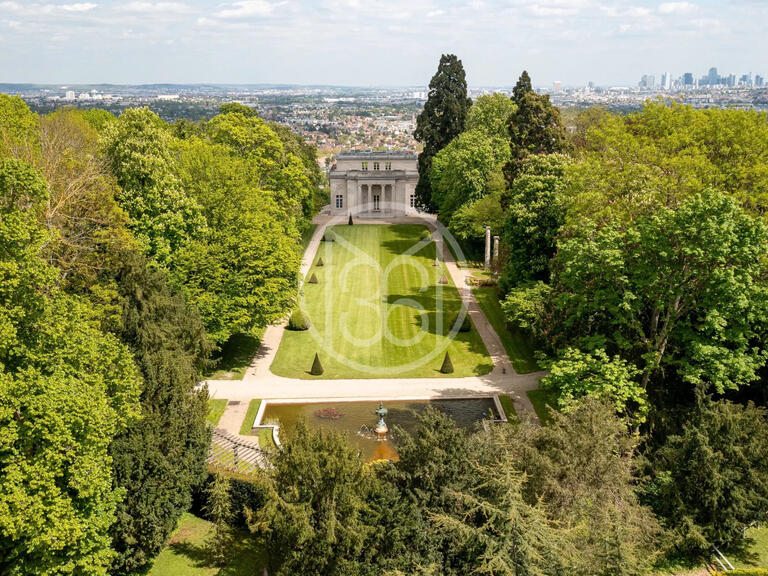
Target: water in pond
<point x="357" y="419"/>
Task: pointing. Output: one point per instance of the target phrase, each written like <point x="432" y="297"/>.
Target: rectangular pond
<point x="358" y="419"/>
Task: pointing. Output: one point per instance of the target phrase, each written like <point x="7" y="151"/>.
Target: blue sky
<point x="384" y="42"/>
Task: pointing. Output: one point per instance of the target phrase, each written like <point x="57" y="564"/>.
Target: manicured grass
<point x="216" y="408"/>
<point x="186" y="553"/>
<point x="235" y="356"/>
<point x="509" y="408"/>
<point x="266" y="441"/>
<point x="375" y="311"/>
<point x="756" y="553"/>
<point x="518" y="347"/>
<point x="250" y="416"/>
<point x="540" y="400"/>
<point x="307" y="236"/>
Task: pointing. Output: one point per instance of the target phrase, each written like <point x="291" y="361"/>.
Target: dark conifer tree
<point x="535" y="127"/>
<point x="443" y="118"/>
<point x="317" y="368"/>
<point x="162" y="457"/>
<point x="447" y="367"/>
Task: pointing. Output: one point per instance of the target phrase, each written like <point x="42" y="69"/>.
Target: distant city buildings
<point x="712" y="79"/>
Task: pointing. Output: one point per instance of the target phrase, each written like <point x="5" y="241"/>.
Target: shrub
<point x="317" y="368"/>
<point x="466" y="324"/>
<point x="425" y="235"/>
<point x="298" y="321"/>
<point x="744" y="572"/>
<point x="312" y="279"/>
<point x="447" y="367"/>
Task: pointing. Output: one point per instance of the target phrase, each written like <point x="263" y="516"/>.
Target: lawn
<point x="216" y="408"/>
<point x="235" y="356"/>
<point x="264" y="434"/>
<point x="518" y="347"/>
<point x="540" y="400"/>
<point x="307" y="236"/>
<point x="509" y="408"/>
<point x="186" y="554"/>
<point x="379" y="310"/>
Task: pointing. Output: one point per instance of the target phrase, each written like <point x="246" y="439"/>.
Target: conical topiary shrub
<point x="444" y="279"/>
<point x="319" y="262"/>
<point x="317" y="368"/>
<point x="350" y="220"/>
<point x="328" y="237"/>
<point x="312" y="279"/>
<point x="465" y="326"/>
<point x="447" y="367"/>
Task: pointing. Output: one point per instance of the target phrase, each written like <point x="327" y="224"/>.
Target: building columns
<point x="487" y="247"/>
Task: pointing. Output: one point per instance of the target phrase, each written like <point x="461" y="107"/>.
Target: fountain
<point x="381" y="429"/>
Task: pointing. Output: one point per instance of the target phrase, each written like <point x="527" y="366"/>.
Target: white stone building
<point x="374" y="184"/>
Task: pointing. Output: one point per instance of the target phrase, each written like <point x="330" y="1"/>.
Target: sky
<point x="376" y="43"/>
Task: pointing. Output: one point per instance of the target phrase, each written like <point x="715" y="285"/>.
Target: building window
<point x="375" y="165"/>
<point x="365" y="165"/>
<point x="339" y="201"/>
<point x="388" y="166"/>
<point x="413" y="200"/>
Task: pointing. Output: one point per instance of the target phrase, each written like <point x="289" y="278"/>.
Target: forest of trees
<point x="634" y="258"/>
<point x="130" y="251"/>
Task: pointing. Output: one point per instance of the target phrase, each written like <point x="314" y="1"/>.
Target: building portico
<point x="374" y="184"/>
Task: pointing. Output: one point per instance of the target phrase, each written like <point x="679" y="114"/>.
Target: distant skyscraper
<point x="666" y="81"/>
<point x="759" y="81"/>
<point x="731" y="80"/>
<point x="713" y="78"/>
<point x="647" y="82"/>
<point x="70" y="95"/>
<point x="556" y="87"/>
<point x="688" y="79"/>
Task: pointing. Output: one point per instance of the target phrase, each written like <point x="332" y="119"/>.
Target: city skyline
<point x="355" y="43"/>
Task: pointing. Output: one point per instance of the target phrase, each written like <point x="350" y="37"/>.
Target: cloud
<point x="246" y="9"/>
<point x="677" y="8"/>
<point x="37" y="9"/>
<point x="156" y="7"/>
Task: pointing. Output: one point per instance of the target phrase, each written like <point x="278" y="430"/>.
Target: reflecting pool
<point x="358" y="419"/>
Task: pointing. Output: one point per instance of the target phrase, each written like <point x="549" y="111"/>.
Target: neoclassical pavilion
<point x="374" y="184"/>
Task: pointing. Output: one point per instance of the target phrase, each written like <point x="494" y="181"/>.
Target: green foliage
<point x="534" y="216"/>
<point x="525" y="308"/>
<point x="159" y="459"/>
<point x="18" y="128"/>
<point x="66" y="389"/>
<point x="710" y="481"/>
<point x="443" y="118"/>
<point x="96" y="118"/>
<point x="464" y="169"/>
<point x="577" y="374"/>
<point x="469" y="221"/>
<point x="465" y="325"/>
<point x="580" y="469"/>
<point x="631" y="165"/>
<point x="163" y="217"/>
<point x="491" y="114"/>
<point x="298" y="321"/>
<point x="425" y="235"/>
<point x="219" y="511"/>
<point x="535" y="126"/>
<point x="312" y="519"/>
<point x="237" y="108"/>
<point x="241" y="273"/>
<point x="679" y="290"/>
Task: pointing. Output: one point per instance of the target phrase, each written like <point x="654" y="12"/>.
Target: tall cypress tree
<point x="161" y="458"/>
<point x="443" y="118"/>
<point x="534" y="128"/>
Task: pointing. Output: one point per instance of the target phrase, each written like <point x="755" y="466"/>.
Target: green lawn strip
<point x="540" y="400"/>
<point x="250" y="416"/>
<point x="352" y="301"/>
<point x="518" y="347"/>
<point x="756" y="553"/>
<point x="509" y="408"/>
<point x="266" y="441"/>
<point x="307" y="236"/>
<point x="216" y="408"/>
<point x="186" y="553"/>
<point x="235" y="356"/>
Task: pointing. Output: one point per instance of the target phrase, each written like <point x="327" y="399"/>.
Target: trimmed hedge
<point x="298" y="321"/>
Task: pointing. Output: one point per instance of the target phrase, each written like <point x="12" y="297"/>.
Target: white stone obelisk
<point x="487" y="247"/>
<point x="496" y="251"/>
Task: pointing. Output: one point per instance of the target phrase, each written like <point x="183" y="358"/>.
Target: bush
<point x="744" y="572"/>
<point x="466" y="324"/>
<point x="245" y="492"/>
<point x="425" y="235"/>
<point x="298" y="321"/>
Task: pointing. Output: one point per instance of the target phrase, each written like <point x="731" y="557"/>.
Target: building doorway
<point x="376" y="203"/>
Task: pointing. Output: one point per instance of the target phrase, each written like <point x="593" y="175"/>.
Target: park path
<point x="259" y="382"/>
